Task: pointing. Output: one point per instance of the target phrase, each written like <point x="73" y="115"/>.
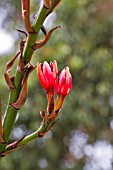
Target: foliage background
<point x="83" y="136"/>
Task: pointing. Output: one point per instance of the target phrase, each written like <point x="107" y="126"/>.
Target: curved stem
<point x="34" y="135"/>
<point x="43" y="130"/>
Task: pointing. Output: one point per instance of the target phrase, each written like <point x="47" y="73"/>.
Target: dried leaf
<point x="24" y="91"/>
<point x="21" y="66"/>
<point x="47" y="3"/>
<point x="14" y="144"/>
<point x="22" y="45"/>
<point x="45" y="40"/>
<point x="7" y="152"/>
<point x="12" y="147"/>
<point x="27" y="22"/>
<point x="26" y="15"/>
<point x="7" y="70"/>
<point x="26" y="5"/>
<point x="54" y="4"/>
<point x="21" y="31"/>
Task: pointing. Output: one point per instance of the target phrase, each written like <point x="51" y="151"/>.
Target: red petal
<point x="41" y="77"/>
<point x="47" y="74"/>
<point x="55" y="69"/>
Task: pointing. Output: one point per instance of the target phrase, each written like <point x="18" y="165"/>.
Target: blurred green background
<point x="82" y="138"/>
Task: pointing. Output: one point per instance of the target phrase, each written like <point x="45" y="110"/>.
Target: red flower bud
<point x="47" y="75"/>
<point x="63" y="85"/>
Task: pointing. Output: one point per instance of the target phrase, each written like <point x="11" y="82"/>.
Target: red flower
<point x="63" y="85"/>
<point x="47" y="75"/>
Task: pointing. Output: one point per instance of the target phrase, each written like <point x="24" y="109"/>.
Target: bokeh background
<point x="82" y="138"/>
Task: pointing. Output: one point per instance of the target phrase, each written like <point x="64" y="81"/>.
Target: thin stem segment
<point x="42" y="130"/>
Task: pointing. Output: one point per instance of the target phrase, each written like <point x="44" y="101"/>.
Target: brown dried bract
<point x="54" y="4"/>
<point x="41" y="43"/>
<point x="26" y="15"/>
<point x="21" y="66"/>
<point x="12" y="147"/>
<point x="24" y="91"/>
<point x="7" y="70"/>
<point x="47" y="3"/>
<point x="16" y="143"/>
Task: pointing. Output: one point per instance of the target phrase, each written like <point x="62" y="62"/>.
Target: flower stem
<point x="50" y="98"/>
<point x="42" y="129"/>
<point x="11" y="112"/>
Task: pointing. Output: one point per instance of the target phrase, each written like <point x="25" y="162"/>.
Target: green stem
<point x="34" y="135"/>
<point x="42" y="129"/>
<point x="11" y="113"/>
<point x="28" y="51"/>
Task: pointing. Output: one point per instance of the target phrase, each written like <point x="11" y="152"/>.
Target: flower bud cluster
<point x="52" y="81"/>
